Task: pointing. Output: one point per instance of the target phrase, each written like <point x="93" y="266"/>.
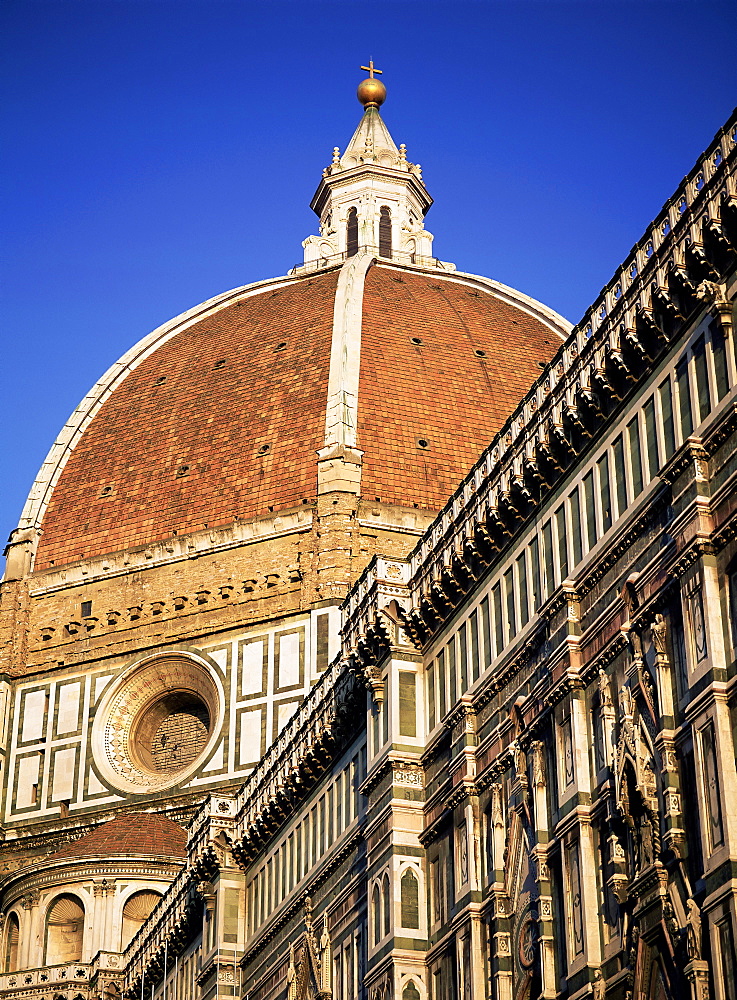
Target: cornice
<point x="34" y="877"/>
<point x="322" y="726"/>
<point x="273" y="926"/>
<point x="611" y="351"/>
<point x="182" y="548"/>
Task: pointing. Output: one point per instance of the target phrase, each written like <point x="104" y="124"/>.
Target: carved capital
<point x="31" y="899"/>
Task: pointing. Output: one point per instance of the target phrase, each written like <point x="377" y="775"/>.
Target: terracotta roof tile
<point x="438" y="391"/>
<point x="212" y="420"/>
<point x="134" y="834"/>
<point x="183" y="454"/>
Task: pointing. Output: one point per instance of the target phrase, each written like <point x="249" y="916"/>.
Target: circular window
<point x="171" y="733"/>
<point x="158" y="722"/>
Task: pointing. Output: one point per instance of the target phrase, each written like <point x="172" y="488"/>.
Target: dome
<point x="373" y="369"/>
<point x="135" y="834"/>
<point x="219" y="415"/>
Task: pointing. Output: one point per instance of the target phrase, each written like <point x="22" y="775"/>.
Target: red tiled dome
<point x="134" y="834"/>
<point x="478" y="357"/>
<point x="220" y="419"/>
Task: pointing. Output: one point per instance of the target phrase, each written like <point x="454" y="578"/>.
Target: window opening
<point x="633" y="435"/>
<point x="560" y="523"/>
<point x="666" y="410"/>
<point x="620" y="479"/>
<point x="475" y="666"/>
<point x="486" y="626"/>
<point x="702" y="379"/>
<point x="509" y="594"/>
<point x="496" y="598"/>
<point x="651" y="438"/>
<point x="385" y="232"/>
<point x="719" y="352"/>
<point x="576" y="525"/>
<point x="535" y="561"/>
<point x="605" y="492"/>
<point x="522" y="587"/>
<point x="684" y="398"/>
<point x="548" y="557"/>
<point x="352" y="233"/>
<point x="588" y="495"/>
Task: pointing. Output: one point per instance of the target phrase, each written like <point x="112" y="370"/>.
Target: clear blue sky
<point x="159" y="152"/>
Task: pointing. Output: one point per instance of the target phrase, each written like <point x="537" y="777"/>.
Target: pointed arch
<point x="351" y="241"/>
<point x="385" y="232"/>
<point x="410" y="900"/>
<point x="386" y="901"/>
<point x="410" y="991"/>
<point x="376" y="912"/>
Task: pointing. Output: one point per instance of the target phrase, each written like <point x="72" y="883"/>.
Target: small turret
<point x="371" y="199"/>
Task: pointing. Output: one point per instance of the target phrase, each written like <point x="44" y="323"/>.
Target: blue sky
<point x="161" y="151"/>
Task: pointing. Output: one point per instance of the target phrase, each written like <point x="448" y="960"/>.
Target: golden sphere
<point x="371" y="93"/>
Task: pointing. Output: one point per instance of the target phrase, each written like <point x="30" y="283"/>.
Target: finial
<point x="371" y="92"/>
<point x="336" y="156"/>
<point x="402" y="153"/>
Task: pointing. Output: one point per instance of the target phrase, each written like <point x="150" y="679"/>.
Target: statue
<point x="693" y="930"/>
<point x="598" y="987"/>
<point x="646" y="841"/>
<point x="605" y="691"/>
<point x="658" y="631"/>
<point x="711" y="291"/>
<point x="497" y="808"/>
<point x="463" y="853"/>
<point x="520" y="761"/>
<point x="647" y="683"/>
<point x="538" y="764"/>
<point x="625" y="702"/>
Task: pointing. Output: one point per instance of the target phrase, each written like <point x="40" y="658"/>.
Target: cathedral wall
<point x="585" y="521"/>
<point x="121" y="603"/>
<point x="604" y="594"/>
<point x="319" y="856"/>
<point x="56" y="770"/>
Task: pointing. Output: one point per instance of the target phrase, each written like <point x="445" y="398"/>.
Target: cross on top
<point x="370" y="69"/>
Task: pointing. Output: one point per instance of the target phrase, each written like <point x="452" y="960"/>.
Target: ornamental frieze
<point x="156" y="610"/>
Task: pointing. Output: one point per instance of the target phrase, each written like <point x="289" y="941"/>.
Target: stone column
<point x="540" y="858"/>
<point x="499" y="923"/>
<point x="394" y="787"/>
<point x="31" y="944"/>
<point x="101" y="923"/>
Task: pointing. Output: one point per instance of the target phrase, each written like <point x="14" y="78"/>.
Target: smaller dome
<point x="132" y="834"/>
<point x="371" y="92"/>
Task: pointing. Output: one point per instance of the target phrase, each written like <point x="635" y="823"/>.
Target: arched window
<point x="410" y="991"/>
<point x="385" y="232"/>
<point x="387" y="904"/>
<point x="64" y="931"/>
<point x="410" y="900"/>
<point x="135" y="913"/>
<point x="12" y="937"/>
<point x="352" y="232"/>
<point x="376" y="912"/>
